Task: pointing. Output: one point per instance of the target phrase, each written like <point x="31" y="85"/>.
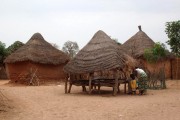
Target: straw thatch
<point x="39" y="51"/>
<point x="101" y="53"/>
<point x="137" y="44"/>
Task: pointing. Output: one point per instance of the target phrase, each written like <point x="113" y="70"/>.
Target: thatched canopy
<point x="39" y="51"/>
<point x="137" y="44"/>
<point x="101" y="53"/>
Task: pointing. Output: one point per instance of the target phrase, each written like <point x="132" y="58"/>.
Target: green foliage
<point x="70" y="48"/>
<point x="173" y="33"/>
<point x="156" y="53"/>
<point x="3" y="52"/>
<point x="16" y="45"/>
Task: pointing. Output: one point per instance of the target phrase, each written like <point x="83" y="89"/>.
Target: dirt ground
<point x="50" y="103"/>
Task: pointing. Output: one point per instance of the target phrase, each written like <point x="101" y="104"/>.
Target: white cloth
<point x="141" y="71"/>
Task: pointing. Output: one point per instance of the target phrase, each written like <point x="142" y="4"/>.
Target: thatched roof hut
<point x="136" y="45"/>
<point x="37" y="53"/>
<point x="101" y="53"/>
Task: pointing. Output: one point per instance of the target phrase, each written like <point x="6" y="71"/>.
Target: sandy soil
<point x="50" y="103"/>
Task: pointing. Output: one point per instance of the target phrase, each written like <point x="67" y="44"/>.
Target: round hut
<point x="36" y="59"/>
<point x="135" y="47"/>
<point x="102" y="61"/>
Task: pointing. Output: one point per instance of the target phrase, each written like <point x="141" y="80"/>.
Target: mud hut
<point x="37" y="58"/>
<point x="135" y="47"/>
<point x="102" y="61"/>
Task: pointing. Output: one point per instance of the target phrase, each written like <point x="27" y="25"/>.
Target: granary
<point x="136" y="46"/>
<point x="101" y="62"/>
<point x="36" y="59"/>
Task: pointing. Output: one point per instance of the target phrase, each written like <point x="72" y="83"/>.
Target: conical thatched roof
<point x="38" y="50"/>
<point x="137" y="44"/>
<point x="101" y="53"/>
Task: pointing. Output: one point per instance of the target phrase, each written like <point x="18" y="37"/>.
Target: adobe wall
<point x="155" y="67"/>
<point x="46" y="73"/>
<point x="176" y="68"/>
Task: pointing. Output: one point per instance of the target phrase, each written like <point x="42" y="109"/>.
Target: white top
<point x="141" y="71"/>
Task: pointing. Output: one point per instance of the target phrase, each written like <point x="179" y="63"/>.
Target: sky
<point x="78" y="20"/>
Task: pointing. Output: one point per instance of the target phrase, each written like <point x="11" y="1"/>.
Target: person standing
<point x="142" y="80"/>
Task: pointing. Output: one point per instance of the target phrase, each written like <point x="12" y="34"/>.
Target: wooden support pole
<point x="119" y="87"/>
<point x="66" y="81"/>
<point x="125" y="87"/>
<point x="70" y="85"/>
<point x="99" y="88"/>
<point x="90" y="85"/>
<point x="116" y="82"/>
<point x="84" y="88"/>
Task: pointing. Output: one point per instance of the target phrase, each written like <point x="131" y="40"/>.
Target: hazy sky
<point x="78" y="20"/>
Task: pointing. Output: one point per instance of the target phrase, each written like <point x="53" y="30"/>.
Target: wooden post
<point x="118" y="87"/>
<point x="116" y="82"/>
<point x="90" y="85"/>
<point x="84" y="88"/>
<point x="99" y="88"/>
<point x="70" y="85"/>
<point x="125" y="83"/>
<point x="125" y="87"/>
<point x="66" y="85"/>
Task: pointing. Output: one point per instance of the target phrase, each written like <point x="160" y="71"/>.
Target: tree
<point x="16" y="45"/>
<point x="173" y="33"/>
<point x="156" y="53"/>
<point x="70" y="48"/>
<point x="3" y="52"/>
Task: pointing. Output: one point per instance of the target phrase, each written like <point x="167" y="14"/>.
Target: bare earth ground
<point x="50" y="103"/>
